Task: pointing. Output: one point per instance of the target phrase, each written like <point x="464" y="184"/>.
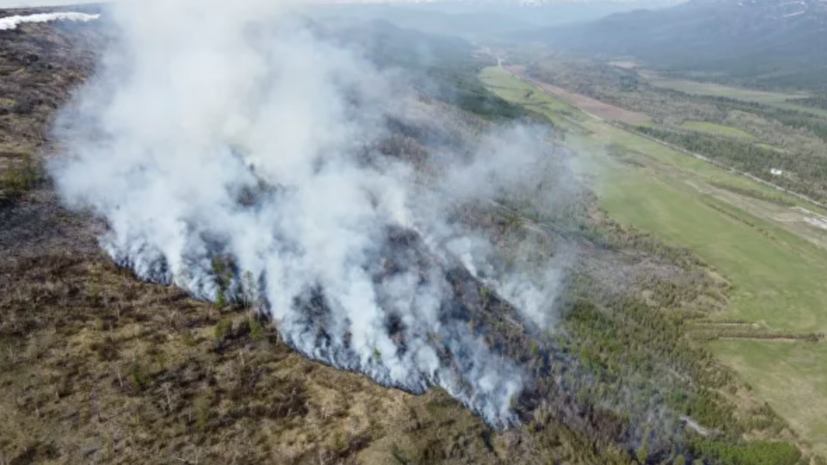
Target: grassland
<point x="126" y="372"/>
<point x="775" y="268"/>
<point x="716" y="129"/>
<point x="784" y="373"/>
<point x="503" y="83"/>
<point x="717" y="90"/>
<point x="776" y="99"/>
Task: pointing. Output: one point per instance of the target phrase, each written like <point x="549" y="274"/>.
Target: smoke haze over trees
<point x="242" y="143"/>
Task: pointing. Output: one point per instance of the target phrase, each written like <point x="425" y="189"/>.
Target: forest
<point x="778" y="136"/>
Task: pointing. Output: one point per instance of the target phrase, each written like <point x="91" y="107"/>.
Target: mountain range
<point x="484" y="18"/>
<point x="764" y="43"/>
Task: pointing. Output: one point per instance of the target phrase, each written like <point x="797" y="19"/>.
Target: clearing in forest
<point x="781" y="100"/>
<point x="717" y="129"/>
<point x="593" y="107"/>
<point x="717" y="90"/>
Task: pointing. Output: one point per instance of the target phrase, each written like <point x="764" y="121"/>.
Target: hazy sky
<point x="20" y="3"/>
<point x="24" y="3"/>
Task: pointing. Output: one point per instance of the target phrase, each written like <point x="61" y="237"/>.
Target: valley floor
<point x="766" y="243"/>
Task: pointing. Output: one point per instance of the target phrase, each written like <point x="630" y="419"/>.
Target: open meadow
<point x="776" y="99"/>
<point x="716" y="129"/>
<point x="756" y="237"/>
<point x="717" y="90"/>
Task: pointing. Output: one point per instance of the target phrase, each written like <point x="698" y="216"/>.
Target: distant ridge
<point x="762" y="42"/>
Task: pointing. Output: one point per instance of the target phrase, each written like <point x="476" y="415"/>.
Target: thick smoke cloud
<point x="11" y="22"/>
<point x="232" y="152"/>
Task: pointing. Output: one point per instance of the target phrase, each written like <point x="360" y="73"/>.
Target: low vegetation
<point x="819" y="102"/>
<point x="96" y="366"/>
<point x="755" y="193"/>
<point x="807" y="173"/>
<point x="88" y="352"/>
<point x="716" y="129"/>
<point x="18" y="178"/>
<point x="754" y="134"/>
<point x="673" y="195"/>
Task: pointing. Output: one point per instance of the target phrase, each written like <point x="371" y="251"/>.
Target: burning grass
<point x="98" y="366"/>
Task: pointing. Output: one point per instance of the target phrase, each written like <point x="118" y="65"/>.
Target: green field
<point x="504" y="84"/>
<point x="777" y="274"/>
<point x="716" y="129"/>
<point x="791" y="376"/>
<point x="717" y="90"/>
<point x="776" y="99"/>
<point x="777" y="282"/>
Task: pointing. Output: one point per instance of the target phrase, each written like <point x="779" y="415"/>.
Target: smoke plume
<point x="232" y="151"/>
<point x="11" y="22"/>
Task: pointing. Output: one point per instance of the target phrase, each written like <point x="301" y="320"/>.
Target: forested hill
<point x="441" y="66"/>
<point x="761" y="43"/>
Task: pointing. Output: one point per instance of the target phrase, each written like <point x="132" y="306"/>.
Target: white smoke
<point x="229" y="129"/>
<point x="11" y="22"/>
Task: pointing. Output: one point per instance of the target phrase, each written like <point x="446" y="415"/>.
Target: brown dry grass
<point x="589" y="105"/>
<point x="97" y="367"/>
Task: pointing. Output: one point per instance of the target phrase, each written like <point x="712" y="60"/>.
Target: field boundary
<point x="718" y="164"/>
